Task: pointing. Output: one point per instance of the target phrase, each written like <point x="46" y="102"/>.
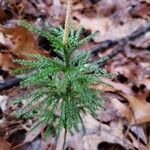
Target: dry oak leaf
<point x="106" y="134"/>
<point x="97" y="132"/>
<point x="105" y="27"/>
<point x="122" y="108"/>
<point x="140" y="108"/>
<point x="115" y="87"/>
<point x="23" y="41"/>
<point x="112" y="133"/>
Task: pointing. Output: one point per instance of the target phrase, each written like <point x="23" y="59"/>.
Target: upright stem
<point x="65" y="135"/>
<point x="67" y="22"/>
<point x="65" y="125"/>
<point x="65" y="41"/>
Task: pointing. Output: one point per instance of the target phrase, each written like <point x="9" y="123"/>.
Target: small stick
<point x="9" y="83"/>
<point x="121" y="42"/>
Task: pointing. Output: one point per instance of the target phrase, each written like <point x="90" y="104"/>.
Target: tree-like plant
<point x="62" y="87"/>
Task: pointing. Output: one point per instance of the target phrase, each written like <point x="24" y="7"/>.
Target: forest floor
<point x="122" y="33"/>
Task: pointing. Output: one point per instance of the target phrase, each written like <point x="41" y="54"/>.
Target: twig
<point x="124" y="41"/>
<point x="9" y="83"/>
<point x="119" y="44"/>
<point x="147" y="48"/>
<point x="103" y="46"/>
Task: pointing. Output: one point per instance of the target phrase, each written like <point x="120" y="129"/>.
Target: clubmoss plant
<point x="62" y="87"/>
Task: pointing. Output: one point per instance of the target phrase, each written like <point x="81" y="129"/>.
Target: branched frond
<point x="63" y="87"/>
<point x="88" y="38"/>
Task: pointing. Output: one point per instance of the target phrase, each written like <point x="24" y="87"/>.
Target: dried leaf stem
<point x="67" y="22"/>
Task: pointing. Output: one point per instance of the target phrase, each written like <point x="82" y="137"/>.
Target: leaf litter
<point x="123" y="123"/>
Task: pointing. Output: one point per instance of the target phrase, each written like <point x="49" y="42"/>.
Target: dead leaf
<point x="147" y="1"/>
<point x="4" y="145"/>
<point x="23" y="41"/>
<point x="2" y="39"/>
<point x="139" y="131"/>
<point x="3" y="16"/>
<point x="140" y="10"/>
<point x="106" y="134"/>
<point x="140" y="108"/>
<point x="115" y="87"/>
<point x="137" y="104"/>
<point x="31" y="136"/>
<point x="6" y="61"/>
<point x="106" y="28"/>
<point x="122" y="108"/>
<point x="145" y="82"/>
<point x="3" y="102"/>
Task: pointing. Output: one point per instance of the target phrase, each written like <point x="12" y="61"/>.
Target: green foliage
<point x="63" y="88"/>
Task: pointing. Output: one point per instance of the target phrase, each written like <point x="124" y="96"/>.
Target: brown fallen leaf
<point x="113" y="133"/>
<point x="137" y="111"/>
<point x="140" y="108"/>
<point x="115" y="87"/>
<point x="96" y="133"/>
<point x="6" y="61"/>
<point x="140" y="10"/>
<point x="106" y="28"/>
<point x="123" y="109"/>
<point x="109" y="134"/>
<point x="23" y="41"/>
<point x="3" y="16"/>
<point x="147" y="1"/>
<point x="18" y="7"/>
<point x="30" y="136"/>
<point x="4" y="145"/>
